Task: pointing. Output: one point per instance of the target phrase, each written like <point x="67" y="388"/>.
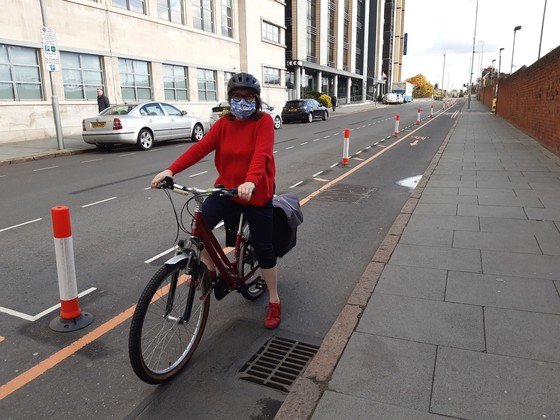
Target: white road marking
<point x="41" y="314"/>
<point x="410" y="182"/>
<point x="200" y="173"/>
<point x="44" y="169"/>
<point x="128" y="154"/>
<point x="302" y="144"/>
<point x="290" y="147"/>
<point x="318" y="173"/>
<point x="98" y="202"/>
<point x="296" y="184"/>
<point x="91" y="160"/>
<point x="21" y="224"/>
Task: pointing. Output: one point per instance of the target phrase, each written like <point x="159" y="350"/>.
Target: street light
<point x="513" y="48"/>
<point x="498" y="81"/>
<point x="542" y="28"/>
<point x="472" y="59"/>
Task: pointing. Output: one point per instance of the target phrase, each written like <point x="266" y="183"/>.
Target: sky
<point x="438" y="27"/>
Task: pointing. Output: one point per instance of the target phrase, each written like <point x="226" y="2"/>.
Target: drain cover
<point x="278" y="363"/>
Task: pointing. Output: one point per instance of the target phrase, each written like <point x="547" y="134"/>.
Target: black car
<point x="304" y="110"/>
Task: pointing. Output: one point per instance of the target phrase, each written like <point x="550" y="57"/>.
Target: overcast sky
<point x="436" y="27"/>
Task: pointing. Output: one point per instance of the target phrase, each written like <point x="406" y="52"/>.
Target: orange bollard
<point x="346" y="147"/>
<point x="431" y="111"/>
<point x="418" y="117"/>
<point x="71" y="317"/>
<point x="397" y="119"/>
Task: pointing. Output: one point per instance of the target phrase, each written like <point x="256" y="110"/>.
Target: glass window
<point x="175" y="83"/>
<point x="271" y="32"/>
<point x="138" y="6"/>
<point x="82" y="74"/>
<point x="20" y="75"/>
<point x="171" y="110"/>
<point x="227" y="75"/>
<point x="135" y="80"/>
<point x="203" y="14"/>
<point x="171" y="10"/>
<point x="227" y="18"/>
<point x="271" y="76"/>
<point x="206" y="81"/>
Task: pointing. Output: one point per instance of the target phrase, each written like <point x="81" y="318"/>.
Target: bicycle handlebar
<point x="169" y="184"/>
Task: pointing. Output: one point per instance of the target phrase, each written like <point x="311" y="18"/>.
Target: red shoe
<point x="272" y="319"/>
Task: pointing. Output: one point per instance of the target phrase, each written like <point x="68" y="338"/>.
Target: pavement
<point x="457" y="315"/>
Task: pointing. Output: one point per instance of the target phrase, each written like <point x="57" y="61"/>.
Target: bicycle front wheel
<point x="168" y="323"/>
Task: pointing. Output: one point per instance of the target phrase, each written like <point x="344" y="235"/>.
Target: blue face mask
<point x="242" y="109"/>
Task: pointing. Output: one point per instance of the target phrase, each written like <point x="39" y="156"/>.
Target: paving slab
<point x="497" y="241"/>
<point x="334" y="406"/>
<point x="423" y="283"/>
<point x="521" y="293"/>
<point x="529" y="335"/>
<point x="429" y="198"/>
<point x="424" y="321"/>
<point x="427" y="237"/>
<point x="386" y="370"/>
<point x="437" y="257"/>
<point x="426" y="221"/>
<point x="488" y="192"/>
<point x="436" y="209"/>
<point x="531" y="227"/>
<point x="543" y="214"/>
<point x="521" y="265"/>
<point x="476" y="385"/>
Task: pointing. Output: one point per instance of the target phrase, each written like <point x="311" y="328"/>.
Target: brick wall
<point x="530" y="100"/>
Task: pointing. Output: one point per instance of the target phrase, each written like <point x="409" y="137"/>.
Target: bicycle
<point x="171" y="314"/>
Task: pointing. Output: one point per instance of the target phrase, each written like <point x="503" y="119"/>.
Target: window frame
<point x="13" y="67"/>
<point x="268" y="33"/>
<point x="205" y="94"/>
<point x="82" y="84"/>
<point x="205" y="15"/>
<point x="164" y="8"/>
<point x="136" y="88"/>
<point x="174" y="79"/>
<point x="130" y="5"/>
<point x="271" y="75"/>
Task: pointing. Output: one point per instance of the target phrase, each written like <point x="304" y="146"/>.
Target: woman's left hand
<point x="245" y="190"/>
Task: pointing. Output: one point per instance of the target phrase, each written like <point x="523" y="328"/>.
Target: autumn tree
<point x="422" y="88"/>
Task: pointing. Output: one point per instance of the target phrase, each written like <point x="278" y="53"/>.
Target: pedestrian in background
<point x="333" y="102"/>
<point x="102" y="100"/>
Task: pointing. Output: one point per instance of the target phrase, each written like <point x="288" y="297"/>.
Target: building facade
<point x="332" y="46"/>
<point x="180" y="51"/>
<point x="393" y="41"/>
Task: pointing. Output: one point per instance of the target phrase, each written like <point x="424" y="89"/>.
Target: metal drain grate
<point x="278" y="363"/>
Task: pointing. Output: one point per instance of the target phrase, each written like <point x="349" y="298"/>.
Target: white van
<point x="391" y="98"/>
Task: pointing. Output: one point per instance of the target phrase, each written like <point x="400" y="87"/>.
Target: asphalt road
<point x="118" y="225"/>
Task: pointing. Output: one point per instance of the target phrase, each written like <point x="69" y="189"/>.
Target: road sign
<point x="293" y="63"/>
<point x="51" y="57"/>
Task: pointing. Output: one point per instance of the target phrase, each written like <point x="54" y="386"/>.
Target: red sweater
<point x="244" y="152"/>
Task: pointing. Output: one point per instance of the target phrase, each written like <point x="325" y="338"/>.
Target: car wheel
<point x="197" y="133"/>
<point x="145" y="139"/>
<point x="310" y="117"/>
<point x="104" y="147"/>
<point x="277" y="122"/>
<point x="326" y="116"/>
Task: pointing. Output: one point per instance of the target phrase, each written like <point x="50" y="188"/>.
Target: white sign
<point x="51" y="57"/>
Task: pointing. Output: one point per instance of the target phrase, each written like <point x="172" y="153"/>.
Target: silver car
<point x="141" y="124"/>
<point x="222" y="107"/>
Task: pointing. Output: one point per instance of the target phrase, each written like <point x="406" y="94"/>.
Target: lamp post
<point x="498" y="81"/>
<point x="542" y="29"/>
<point x="472" y="59"/>
<point x="513" y="48"/>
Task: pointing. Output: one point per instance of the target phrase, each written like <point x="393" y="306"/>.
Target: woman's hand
<point x="245" y="190"/>
<point x="160" y="177"/>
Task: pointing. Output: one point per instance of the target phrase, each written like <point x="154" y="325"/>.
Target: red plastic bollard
<point x="418" y="117"/>
<point x="71" y="317"/>
<point x="431" y="111"/>
<point x="397" y="119"/>
<point x="346" y="147"/>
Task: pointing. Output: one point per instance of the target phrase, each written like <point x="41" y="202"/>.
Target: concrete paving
<point x="458" y="314"/>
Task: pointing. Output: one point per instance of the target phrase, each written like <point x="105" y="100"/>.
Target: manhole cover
<point x="346" y="193"/>
<point x="278" y="363"/>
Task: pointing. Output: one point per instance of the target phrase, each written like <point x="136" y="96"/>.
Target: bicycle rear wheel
<point x="162" y="340"/>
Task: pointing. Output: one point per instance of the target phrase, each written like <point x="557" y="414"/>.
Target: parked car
<point x="223" y="107"/>
<point x="304" y="110"/>
<point x="391" y="98"/>
<point x="400" y="99"/>
<point x="142" y="124"/>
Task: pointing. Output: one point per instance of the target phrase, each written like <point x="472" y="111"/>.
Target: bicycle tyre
<point x="159" y="347"/>
<point x="247" y="262"/>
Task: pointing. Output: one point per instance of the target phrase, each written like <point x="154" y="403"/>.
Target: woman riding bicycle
<point x="243" y="141"/>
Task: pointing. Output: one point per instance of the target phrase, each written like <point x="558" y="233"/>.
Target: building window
<point x="82" y="74"/>
<point x="311" y="30"/>
<point x="135" y="80"/>
<point x="175" y="83"/>
<point x="206" y="80"/>
<point x="271" y="76"/>
<point x="227" y="18"/>
<point x="227" y="75"/>
<point x="137" y="6"/>
<point x="20" y="78"/>
<point x="271" y="32"/>
<point x="171" y="10"/>
<point x="203" y="14"/>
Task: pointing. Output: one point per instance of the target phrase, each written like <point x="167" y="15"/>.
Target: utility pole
<point x="472" y="59"/>
<point x="542" y="29"/>
<point x="443" y="74"/>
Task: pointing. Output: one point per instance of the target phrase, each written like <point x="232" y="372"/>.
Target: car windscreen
<point x="294" y="104"/>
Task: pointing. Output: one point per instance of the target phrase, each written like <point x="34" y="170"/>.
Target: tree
<point x="422" y="88"/>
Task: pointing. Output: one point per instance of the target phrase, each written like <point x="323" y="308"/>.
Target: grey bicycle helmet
<point x="244" y="80"/>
